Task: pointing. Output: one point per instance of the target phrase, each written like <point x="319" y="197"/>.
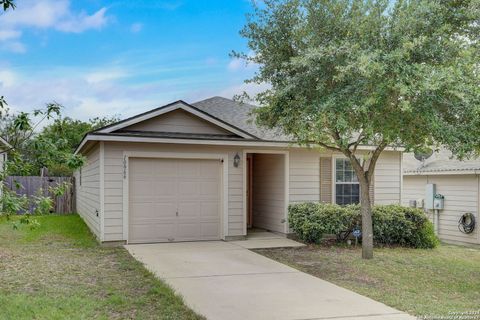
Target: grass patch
<point x="420" y="282"/>
<point x="58" y="271"/>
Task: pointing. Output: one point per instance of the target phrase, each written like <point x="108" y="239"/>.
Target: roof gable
<point x="148" y="118"/>
<point x="178" y="121"/>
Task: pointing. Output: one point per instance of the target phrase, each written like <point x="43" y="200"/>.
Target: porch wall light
<point x="236" y="160"/>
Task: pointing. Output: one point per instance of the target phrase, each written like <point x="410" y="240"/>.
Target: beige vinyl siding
<point x="88" y="193"/>
<point x="114" y="183"/>
<point x="461" y="195"/>
<point x="311" y="177"/>
<point x="178" y="121"/>
<point x="269" y="192"/>
<point x="388" y="177"/>
<point x="304" y="181"/>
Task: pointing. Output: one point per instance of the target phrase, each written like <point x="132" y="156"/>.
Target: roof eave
<point x="440" y="172"/>
<point x="5" y="143"/>
<point x="245" y="142"/>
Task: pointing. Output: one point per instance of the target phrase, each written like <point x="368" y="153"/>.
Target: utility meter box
<point x="430" y="192"/>
<point x="420" y="203"/>
<point x="438" y="201"/>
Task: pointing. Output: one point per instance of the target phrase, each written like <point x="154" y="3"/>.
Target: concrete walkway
<point x="222" y="280"/>
<point x="261" y="239"/>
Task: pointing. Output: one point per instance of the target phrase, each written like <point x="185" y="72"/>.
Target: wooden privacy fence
<point x="32" y="185"/>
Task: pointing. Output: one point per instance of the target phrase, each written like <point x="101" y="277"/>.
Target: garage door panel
<point x="188" y="189"/>
<point x="152" y="211"/>
<point x="153" y="232"/>
<point x="189" y="168"/>
<point x="209" y="169"/>
<point x="141" y="166"/>
<point x="143" y="210"/>
<point x="210" y="230"/>
<point x="165" y="210"/>
<point x="165" y="168"/>
<point x="188" y="231"/>
<point x="159" y="188"/>
<point x="164" y="187"/>
<point x="209" y="189"/>
<point x="188" y="210"/>
<point x="209" y="210"/>
<point x="141" y="188"/>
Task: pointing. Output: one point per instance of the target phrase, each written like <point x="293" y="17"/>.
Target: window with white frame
<point x="347" y="188"/>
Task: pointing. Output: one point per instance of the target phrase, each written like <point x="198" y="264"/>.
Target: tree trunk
<point x="367" y="223"/>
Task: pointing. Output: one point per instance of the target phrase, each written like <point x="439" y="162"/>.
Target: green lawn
<point x="420" y="282"/>
<point x="58" y="271"/>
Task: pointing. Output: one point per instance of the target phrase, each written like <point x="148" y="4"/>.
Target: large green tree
<point x="350" y="73"/>
<point x="51" y="147"/>
<point x="54" y="145"/>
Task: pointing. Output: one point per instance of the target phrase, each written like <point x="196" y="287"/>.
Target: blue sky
<point x="102" y="58"/>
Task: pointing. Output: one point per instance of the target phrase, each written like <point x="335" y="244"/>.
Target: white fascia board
<point x="176" y="106"/>
<point x="252" y="143"/>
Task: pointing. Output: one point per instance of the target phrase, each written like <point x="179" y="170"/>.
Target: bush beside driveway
<point x="416" y="281"/>
<point x="58" y="271"/>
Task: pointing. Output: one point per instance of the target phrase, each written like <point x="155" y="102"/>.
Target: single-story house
<point x="205" y="171"/>
<point x="459" y="183"/>
<point x="4" y="148"/>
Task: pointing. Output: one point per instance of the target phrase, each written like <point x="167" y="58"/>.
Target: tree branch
<point x="356" y="143"/>
<point x="373" y="160"/>
<point x="326" y="146"/>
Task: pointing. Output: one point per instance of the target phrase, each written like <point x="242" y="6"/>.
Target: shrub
<point x="392" y="224"/>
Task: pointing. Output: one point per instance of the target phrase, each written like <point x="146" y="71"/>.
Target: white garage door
<point x="174" y="200"/>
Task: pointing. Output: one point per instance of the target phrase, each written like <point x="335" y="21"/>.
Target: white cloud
<point x="9" y="34"/>
<point x="105" y="75"/>
<point x="48" y="14"/>
<point x="84" y="93"/>
<point x="8" y="78"/>
<point x="81" y="22"/>
<point x="136" y="27"/>
<point x="237" y="64"/>
<point x="107" y="90"/>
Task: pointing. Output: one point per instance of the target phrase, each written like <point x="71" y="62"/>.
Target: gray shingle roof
<point x="438" y="162"/>
<point x="239" y="115"/>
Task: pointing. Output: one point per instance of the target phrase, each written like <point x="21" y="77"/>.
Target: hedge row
<point x="392" y="224"/>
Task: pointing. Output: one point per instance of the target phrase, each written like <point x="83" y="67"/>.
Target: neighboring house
<point x="205" y="171"/>
<point x="4" y="148"/>
<point x="458" y="181"/>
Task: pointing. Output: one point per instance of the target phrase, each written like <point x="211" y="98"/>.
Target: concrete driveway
<point x="223" y="280"/>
